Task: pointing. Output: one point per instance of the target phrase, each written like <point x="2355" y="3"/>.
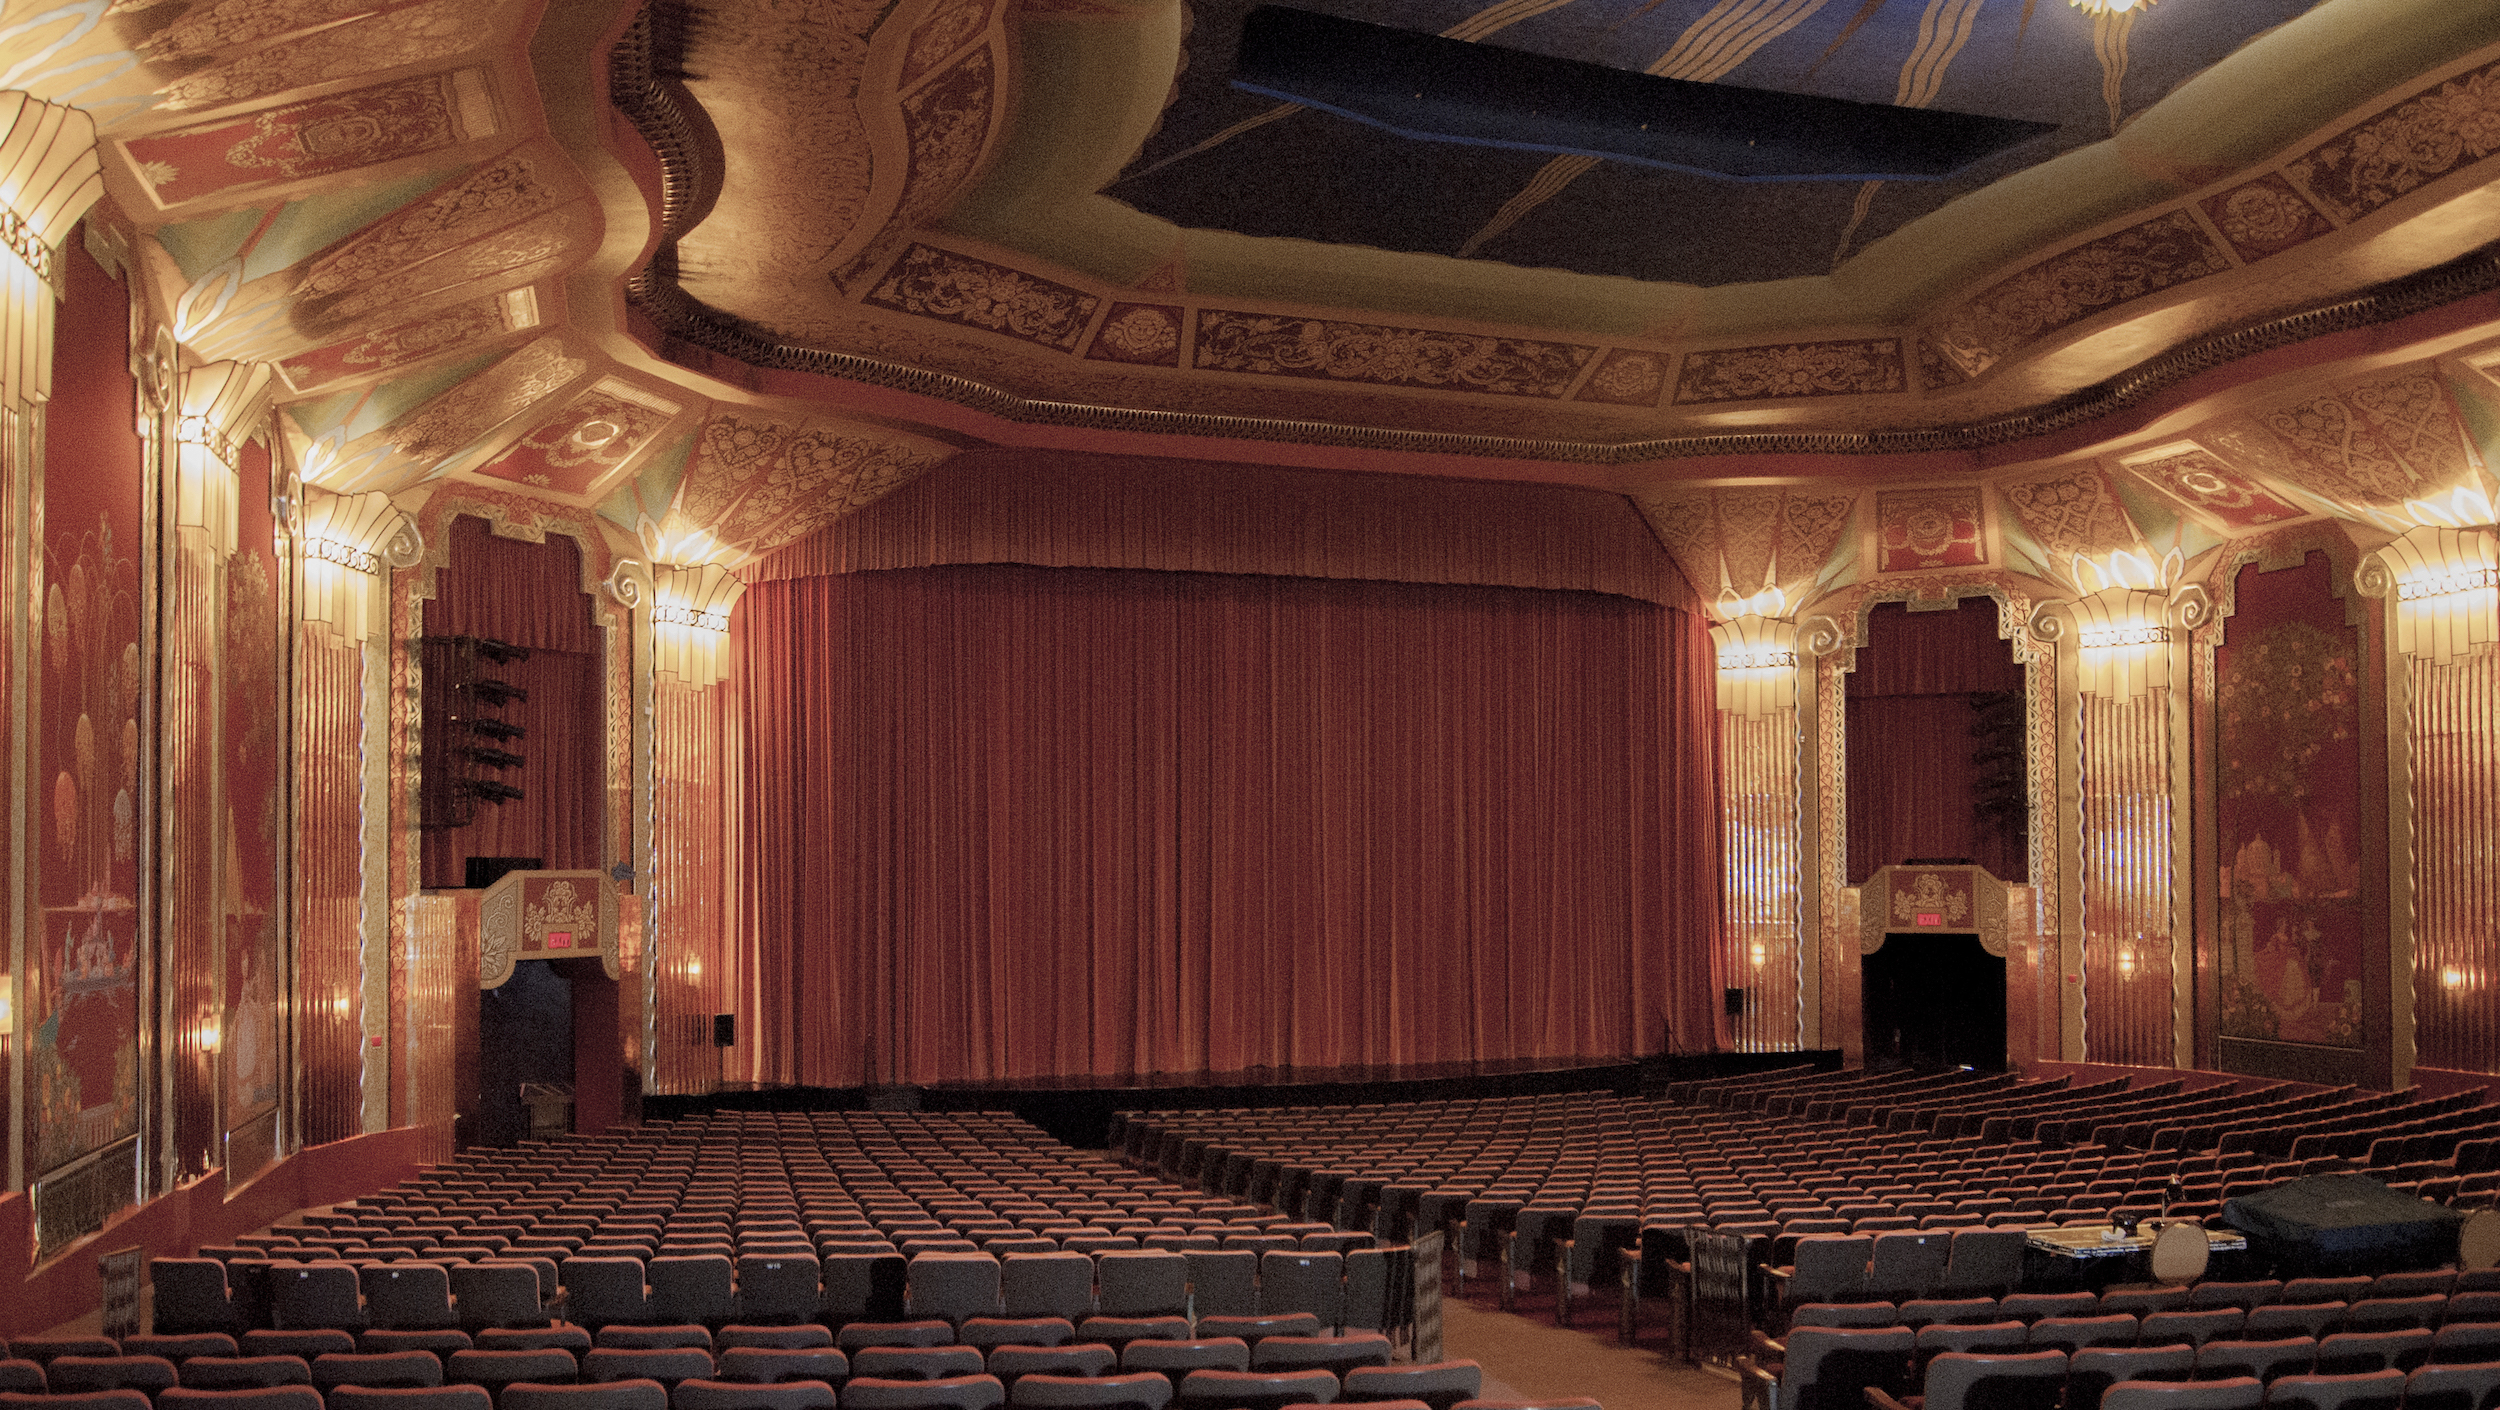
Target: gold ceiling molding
<point x="682" y="318"/>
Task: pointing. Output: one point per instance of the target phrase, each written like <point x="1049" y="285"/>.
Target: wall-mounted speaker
<point x="1735" y="1003"/>
<point x="724" y="1030"/>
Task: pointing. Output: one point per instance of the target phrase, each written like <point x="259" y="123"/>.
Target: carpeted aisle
<point x="1526" y="1357"/>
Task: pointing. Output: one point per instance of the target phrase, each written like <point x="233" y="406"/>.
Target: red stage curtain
<point x="1911" y="782"/>
<point x="1065" y="509"/>
<point x="1009" y="821"/>
<point x="529" y="594"/>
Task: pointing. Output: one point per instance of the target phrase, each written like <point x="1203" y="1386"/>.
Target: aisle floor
<point x="1527" y="1356"/>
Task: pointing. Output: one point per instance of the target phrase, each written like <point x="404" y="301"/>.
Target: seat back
<point x="2454" y="1387"/>
<point x="2369" y="1390"/>
<point x="192" y="1296"/>
<point x="2092" y="1371"/>
<point x="726" y="1395"/>
<point x="2224" y="1358"/>
<point x="778" y="1288"/>
<point x="1142" y="1391"/>
<point x="1829" y="1367"/>
<point x="1223" y="1284"/>
<point x="697" y="1288"/>
<point x="1142" y="1283"/>
<point x="863" y="1287"/>
<point x="767" y="1366"/>
<point x="2017" y="1380"/>
<point x="1046" y="1285"/>
<point x="411" y="1370"/>
<point x="1906" y="1264"/>
<point x="953" y="1286"/>
<point x="407" y="1296"/>
<point x="2352" y="1353"/>
<point x="953" y="1393"/>
<point x="1294" y="1281"/>
<point x="2237" y="1393"/>
<point x="315" y="1295"/>
<point x="1987" y="1262"/>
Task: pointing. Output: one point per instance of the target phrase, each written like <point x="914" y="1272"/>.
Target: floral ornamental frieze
<point x="1282" y="345"/>
<point x="1852" y="368"/>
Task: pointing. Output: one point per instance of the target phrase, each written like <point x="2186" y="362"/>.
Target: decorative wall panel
<point x="1758" y="832"/>
<point x="2288" y="760"/>
<point x="329" y="692"/>
<point x="187" y="822"/>
<point x="83" y="1000"/>
<point x="688" y="890"/>
<point x="2455" y="712"/>
<point x="252" y="838"/>
<point x="2127" y="883"/>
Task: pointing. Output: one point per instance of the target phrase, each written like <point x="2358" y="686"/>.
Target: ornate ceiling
<point x="813" y="247"/>
<point x="1222" y="159"/>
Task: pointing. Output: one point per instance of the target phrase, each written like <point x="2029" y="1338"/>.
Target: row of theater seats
<point x="1568" y="1184"/>
<point x="1824" y="1369"/>
<point x="234" y="1293"/>
<point x="1832" y="1268"/>
<point x="207" y="1369"/>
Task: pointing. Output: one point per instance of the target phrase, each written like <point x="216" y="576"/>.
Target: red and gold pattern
<point x="947" y="124"/>
<point x="947" y="29"/>
<point x="462" y="328"/>
<point x="2199" y="479"/>
<point x="597" y="431"/>
<point x="2370" y="445"/>
<point x="1149" y="334"/>
<point x="2406" y="147"/>
<point x="928" y="282"/>
<point x="1279" y="345"/>
<point x="1626" y="377"/>
<point x="2071" y="510"/>
<point x="321" y="138"/>
<point x="2066" y="288"/>
<point x="2265" y="217"/>
<point x="1849" y="368"/>
<point x="1941" y="528"/>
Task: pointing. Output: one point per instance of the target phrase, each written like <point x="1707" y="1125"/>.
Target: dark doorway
<point x="1934" y="1001"/>
<point x="524" y="1034"/>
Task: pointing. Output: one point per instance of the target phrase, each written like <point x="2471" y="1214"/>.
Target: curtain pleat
<point x="1013" y="822"/>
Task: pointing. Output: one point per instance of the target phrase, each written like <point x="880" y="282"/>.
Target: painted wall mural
<point x="2287" y="707"/>
<point x="83" y="1059"/>
<point x="253" y="620"/>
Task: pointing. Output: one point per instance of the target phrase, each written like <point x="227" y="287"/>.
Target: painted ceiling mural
<point x="1225" y="159"/>
<point x="811" y="250"/>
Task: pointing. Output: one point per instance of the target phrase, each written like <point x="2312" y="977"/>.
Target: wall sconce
<point x="1757" y="659"/>
<point x="8" y="1005"/>
<point x="2446" y="583"/>
<point x="2126" y="962"/>
<point x="1758" y="954"/>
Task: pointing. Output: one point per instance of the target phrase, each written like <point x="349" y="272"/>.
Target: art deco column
<point x="342" y="783"/>
<point x="2122" y="838"/>
<point x="1761" y="759"/>
<point x="2443" y="717"/>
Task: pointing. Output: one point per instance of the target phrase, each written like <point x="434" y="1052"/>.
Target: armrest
<point x="1776" y="1275"/>
<point x="1747" y="1369"/>
<point x="1877" y="1398"/>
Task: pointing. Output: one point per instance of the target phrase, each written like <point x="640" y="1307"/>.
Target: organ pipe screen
<point x="2456" y="860"/>
<point x="1758" y="769"/>
<point x="2127" y="879"/>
